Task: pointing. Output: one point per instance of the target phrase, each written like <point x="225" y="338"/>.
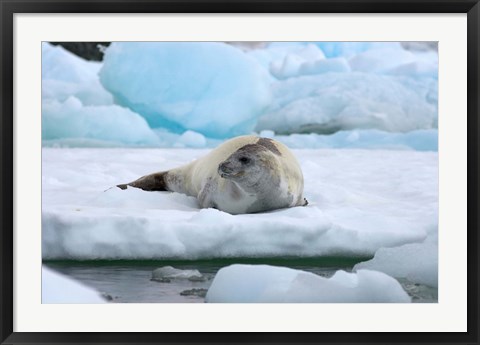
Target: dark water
<point x="130" y="281"/>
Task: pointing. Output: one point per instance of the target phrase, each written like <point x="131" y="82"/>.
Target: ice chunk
<point x="277" y="51"/>
<point x="58" y="288"/>
<point x="211" y="88"/>
<point x="71" y="119"/>
<point x="275" y="55"/>
<point x="267" y="134"/>
<point x="306" y="61"/>
<point x="397" y="62"/>
<point x="425" y="65"/>
<point x="168" y="272"/>
<point x="286" y="68"/>
<point x="417" y="262"/>
<point x="338" y="65"/>
<point x="417" y="68"/>
<point x="320" y="95"/>
<point x="380" y="60"/>
<point x="60" y="64"/>
<point x="294" y="60"/>
<point x="330" y="102"/>
<point x="191" y="139"/>
<point x="270" y="284"/>
<point x="310" y="52"/>
<point x="420" y="140"/>
<point x="65" y="74"/>
<point x="349" y="49"/>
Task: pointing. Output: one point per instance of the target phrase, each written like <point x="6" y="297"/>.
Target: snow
<point x="417" y="262"/>
<point x="212" y="88"/>
<point x="58" y="288"/>
<point x="359" y="201"/>
<point x="270" y="284"/>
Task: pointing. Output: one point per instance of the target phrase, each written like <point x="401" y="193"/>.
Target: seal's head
<point x="248" y="165"/>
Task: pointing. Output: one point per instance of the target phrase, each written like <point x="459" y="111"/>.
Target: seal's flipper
<point x="152" y="182"/>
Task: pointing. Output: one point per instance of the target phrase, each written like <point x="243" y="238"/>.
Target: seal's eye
<point x="244" y="160"/>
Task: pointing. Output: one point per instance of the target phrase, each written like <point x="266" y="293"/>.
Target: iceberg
<point x="397" y="62"/>
<point x="294" y="60"/>
<point x="330" y="102"/>
<point x="71" y="119"/>
<point x="349" y="49"/>
<point x="211" y="88"/>
<point x="201" y="93"/>
<point x="65" y="75"/>
<point x="419" y="140"/>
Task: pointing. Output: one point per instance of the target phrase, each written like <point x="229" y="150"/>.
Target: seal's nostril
<point x="223" y="167"/>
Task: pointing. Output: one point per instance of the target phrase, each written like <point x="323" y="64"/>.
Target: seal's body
<point x="246" y="174"/>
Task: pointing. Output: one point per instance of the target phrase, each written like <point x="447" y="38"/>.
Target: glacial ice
<point x="294" y="61"/>
<point x="349" y="49"/>
<point x="327" y="103"/>
<point x="212" y="88"/>
<point x="71" y="119"/>
<point x="64" y="75"/>
<point x="419" y="140"/>
<point x="324" y="87"/>
<point x="397" y="62"/>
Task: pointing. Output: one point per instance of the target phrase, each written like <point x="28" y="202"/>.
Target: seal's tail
<point x="152" y="182"/>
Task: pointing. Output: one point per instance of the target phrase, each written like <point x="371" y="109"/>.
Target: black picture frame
<point x="9" y="7"/>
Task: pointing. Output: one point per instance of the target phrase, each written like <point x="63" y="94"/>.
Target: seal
<point x="246" y="174"/>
